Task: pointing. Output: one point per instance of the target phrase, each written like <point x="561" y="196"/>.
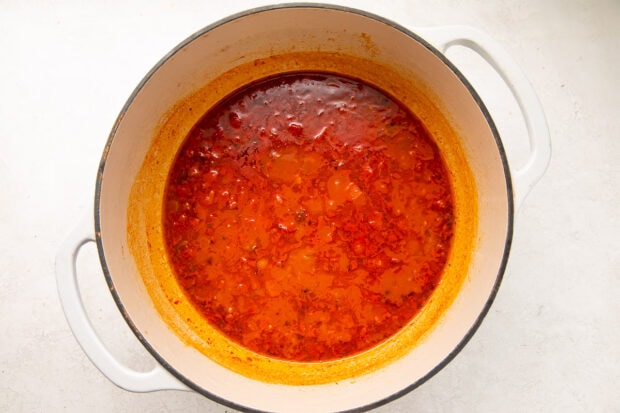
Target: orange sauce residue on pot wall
<point x="348" y="235"/>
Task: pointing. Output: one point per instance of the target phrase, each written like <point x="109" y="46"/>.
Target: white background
<point x="551" y="341"/>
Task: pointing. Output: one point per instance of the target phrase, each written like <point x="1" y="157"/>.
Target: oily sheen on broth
<point x="308" y="216"/>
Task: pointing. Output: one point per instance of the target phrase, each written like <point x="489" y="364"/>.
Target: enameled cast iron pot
<point x="236" y="51"/>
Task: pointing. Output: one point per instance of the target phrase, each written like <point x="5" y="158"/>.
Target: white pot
<point x="208" y="66"/>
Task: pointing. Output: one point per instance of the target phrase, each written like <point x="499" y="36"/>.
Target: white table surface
<point x="551" y="341"/>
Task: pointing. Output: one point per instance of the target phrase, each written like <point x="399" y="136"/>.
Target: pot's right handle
<point x="66" y="279"/>
<point x="534" y="168"/>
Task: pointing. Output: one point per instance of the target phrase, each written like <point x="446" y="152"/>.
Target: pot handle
<point x="534" y="168"/>
<point x="66" y="280"/>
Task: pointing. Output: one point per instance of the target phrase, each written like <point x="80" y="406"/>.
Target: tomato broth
<point x="308" y="217"/>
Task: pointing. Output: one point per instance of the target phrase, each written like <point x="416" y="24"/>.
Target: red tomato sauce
<point x="308" y="217"/>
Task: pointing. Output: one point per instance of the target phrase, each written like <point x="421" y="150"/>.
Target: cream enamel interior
<point x="222" y="57"/>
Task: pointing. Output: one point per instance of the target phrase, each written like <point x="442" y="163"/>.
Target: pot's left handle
<point x="66" y="279"/>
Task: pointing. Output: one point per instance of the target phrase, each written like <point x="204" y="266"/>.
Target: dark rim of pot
<point x="438" y="54"/>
